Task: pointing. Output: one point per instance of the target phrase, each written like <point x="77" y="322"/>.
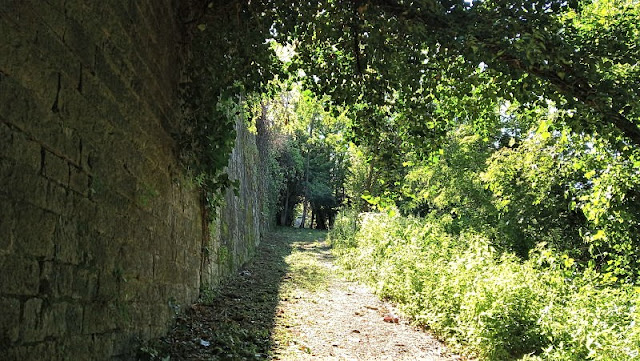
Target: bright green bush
<point x="578" y="193"/>
<point x="493" y="305"/>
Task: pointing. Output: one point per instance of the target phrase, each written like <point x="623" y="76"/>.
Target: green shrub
<point x="344" y="229"/>
<point x="493" y="305"/>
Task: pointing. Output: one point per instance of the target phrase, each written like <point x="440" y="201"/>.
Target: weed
<point x="493" y="304"/>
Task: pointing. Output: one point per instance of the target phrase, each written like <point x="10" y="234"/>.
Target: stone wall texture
<point x="102" y="240"/>
<point x="235" y="232"/>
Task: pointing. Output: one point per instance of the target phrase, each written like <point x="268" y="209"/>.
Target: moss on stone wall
<point x="237" y="222"/>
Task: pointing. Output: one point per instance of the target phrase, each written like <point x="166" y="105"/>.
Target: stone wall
<point x="235" y="231"/>
<point x="101" y="235"/>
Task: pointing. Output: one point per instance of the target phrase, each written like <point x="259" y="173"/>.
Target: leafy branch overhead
<point x="409" y="72"/>
<point x="399" y="54"/>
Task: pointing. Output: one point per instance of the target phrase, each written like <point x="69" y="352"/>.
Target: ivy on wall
<point x="227" y="60"/>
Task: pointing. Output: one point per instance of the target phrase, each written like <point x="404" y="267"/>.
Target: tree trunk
<point x="321" y="218"/>
<point x="285" y="210"/>
<point x="306" y="177"/>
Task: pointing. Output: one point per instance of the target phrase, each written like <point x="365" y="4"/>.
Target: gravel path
<point x="290" y="303"/>
<point x="345" y="321"/>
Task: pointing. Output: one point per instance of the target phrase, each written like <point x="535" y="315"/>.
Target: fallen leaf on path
<point x="391" y="319"/>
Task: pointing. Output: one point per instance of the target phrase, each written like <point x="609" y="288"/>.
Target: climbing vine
<point x="228" y="59"/>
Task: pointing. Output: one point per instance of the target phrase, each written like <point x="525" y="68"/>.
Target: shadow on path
<point x="236" y="321"/>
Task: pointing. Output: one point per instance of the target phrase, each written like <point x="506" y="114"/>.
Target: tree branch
<point x="580" y="89"/>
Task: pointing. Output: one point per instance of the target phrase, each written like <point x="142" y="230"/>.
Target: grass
<point x="305" y="271"/>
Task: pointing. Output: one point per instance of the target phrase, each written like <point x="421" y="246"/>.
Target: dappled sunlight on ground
<point x="339" y="320"/>
<point x="289" y="303"/>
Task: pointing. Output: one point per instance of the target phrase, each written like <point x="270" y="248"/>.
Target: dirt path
<point x="291" y="304"/>
<point x="340" y="320"/>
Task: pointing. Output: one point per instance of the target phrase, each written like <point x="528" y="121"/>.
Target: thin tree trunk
<point x="313" y="218"/>
<point x="368" y="186"/>
<point x="283" y="217"/>
<point x="306" y="178"/>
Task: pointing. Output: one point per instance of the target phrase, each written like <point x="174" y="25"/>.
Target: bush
<point x="345" y="228"/>
<point x="493" y="305"/>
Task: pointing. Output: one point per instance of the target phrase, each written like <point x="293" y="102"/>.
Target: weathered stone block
<point x="57" y="198"/>
<point x="106" y="73"/>
<point x="7" y="226"/>
<point x="27" y="187"/>
<point x="79" y="180"/>
<point x="46" y="320"/>
<point x="56" y="280"/>
<point x="85" y="283"/>
<point x="157" y="293"/>
<point x="15" y="145"/>
<point x="55" y="168"/>
<point x="22" y="276"/>
<point x="77" y="347"/>
<point x="53" y="15"/>
<point x="84" y="209"/>
<point x="126" y="185"/>
<point x="79" y="40"/>
<point x="140" y="314"/>
<point x="163" y="313"/>
<point x="26" y="151"/>
<point x="53" y="319"/>
<point x="108" y="284"/>
<point x="17" y="101"/>
<point x="7" y="169"/>
<point x="136" y="264"/>
<point x="42" y="351"/>
<point x="66" y="248"/>
<point x="35" y="231"/>
<point x="73" y="319"/>
<point x="6" y="137"/>
<point x="99" y="317"/>
<point x="131" y="290"/>
<point x="32" y="320"/>
<point x="9" y="321"/>
<point x="102" y="344"/>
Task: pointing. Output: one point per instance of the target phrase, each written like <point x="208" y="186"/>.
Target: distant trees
<point x="308" y="149"/>
<point x="519" y="119"/>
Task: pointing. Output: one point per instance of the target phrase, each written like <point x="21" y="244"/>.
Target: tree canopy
<point x="411" y="70"/>
<point x="452" y="106"/>
<point x="399" y="59"/>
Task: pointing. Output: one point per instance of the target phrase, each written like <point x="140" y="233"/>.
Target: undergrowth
<point x="489" y="304"/>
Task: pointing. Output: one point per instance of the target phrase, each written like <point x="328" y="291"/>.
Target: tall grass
<point x="495" y="306"/>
